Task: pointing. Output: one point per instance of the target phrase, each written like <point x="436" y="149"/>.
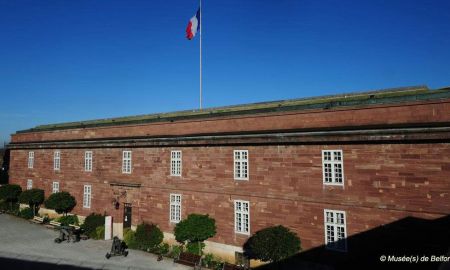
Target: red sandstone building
<point x="327" y="168"/>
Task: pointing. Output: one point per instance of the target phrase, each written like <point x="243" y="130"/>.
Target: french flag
<point x="193" y="26"/>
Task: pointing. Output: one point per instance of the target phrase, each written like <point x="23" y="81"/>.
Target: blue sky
<point x="65" y="61"/>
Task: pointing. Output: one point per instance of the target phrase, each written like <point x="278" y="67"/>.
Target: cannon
<point x="67" y="233"/>
<point x="118" y="248"/>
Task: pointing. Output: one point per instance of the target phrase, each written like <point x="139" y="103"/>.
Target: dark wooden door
<point x="127" y="215"/>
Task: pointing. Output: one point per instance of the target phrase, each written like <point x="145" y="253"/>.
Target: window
<point x="175" y="208"/>
<point x="87" y="196"/>
<point x="55" y="187"/>
<point x="30" y="160"/>
<point x="88" y="161"/>
<point x="242" y="217"/>
<point x="175" y="163"/>
<point x="335" y="232"/>
<point x="57" y="160"/>
<point x="29" y="184"/>
<point x="333" y="167"/>
<point x="241" y="164"/>
<point x="126" y="162"/>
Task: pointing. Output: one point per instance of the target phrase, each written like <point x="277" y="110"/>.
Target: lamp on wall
<point x="115" y="201"/>
<point x="116" y="204"/>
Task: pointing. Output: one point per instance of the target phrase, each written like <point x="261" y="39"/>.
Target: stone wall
<point x="383" y="183"/>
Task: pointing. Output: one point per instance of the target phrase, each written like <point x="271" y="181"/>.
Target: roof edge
<point x="384" y="96"/>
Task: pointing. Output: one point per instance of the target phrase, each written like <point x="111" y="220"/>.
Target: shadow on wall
<point x="4" y="177"/>
<point x="403" y="238"/>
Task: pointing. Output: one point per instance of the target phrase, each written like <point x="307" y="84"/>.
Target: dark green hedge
<point x="91" y="223"/>
<point x="69" y="219"/>
<point x="129" y="236"/>
<point x="26" y="213"/>
<point x="10" y="193"/>
<point x="148" y="237"/>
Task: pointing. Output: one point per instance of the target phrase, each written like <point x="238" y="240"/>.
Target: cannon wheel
<point x="57" y="240"/>
<point x="108" y="256"/>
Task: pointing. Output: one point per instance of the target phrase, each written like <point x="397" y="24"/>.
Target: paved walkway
<point x="32" y="246"/>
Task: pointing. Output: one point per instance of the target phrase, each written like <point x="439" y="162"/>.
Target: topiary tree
<point x="195" y="229"/>
<point x="272" y="244"/>
<point x="10" y="194"/>
<point x="61" y="202"/>
<point x="33" y="197"/>
<point x="148" y="236"/>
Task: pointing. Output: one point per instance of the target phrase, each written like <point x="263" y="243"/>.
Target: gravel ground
<point x="24" y="244"/>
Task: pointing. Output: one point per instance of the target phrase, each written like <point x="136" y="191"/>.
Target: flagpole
<point x="201" y="54"/>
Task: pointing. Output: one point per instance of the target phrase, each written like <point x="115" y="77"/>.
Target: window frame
<point x="87" y="196"/>
<point x="333" y="162"/>
<point x="127" y="164"/>
<point x="175" y="203"/>
<point x="88" y="161"/>
<point x="53" y="187"/>
<point x="29" y="184"/>
<point x="236" y="212"/>
<point x="31" y="160"/>
<point x="176" y="170"/>
<point x="241" y="161"/>
<point x="57" y="160"/>
<point x="335" y="226"/>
